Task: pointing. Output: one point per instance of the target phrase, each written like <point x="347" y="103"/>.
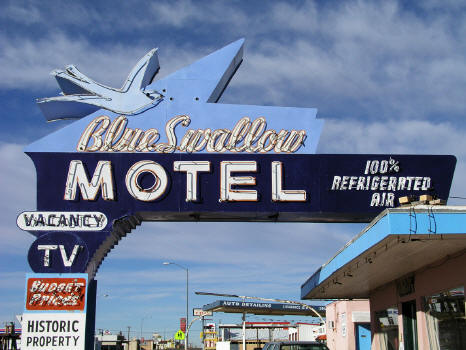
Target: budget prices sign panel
<point x="165" y="150"/>
<point x="56" y="293"/>
<point x="55" y="312"/>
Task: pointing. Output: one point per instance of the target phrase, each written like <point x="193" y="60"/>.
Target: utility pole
<point x="203" y="333"/>
<point x="129" y="327"/>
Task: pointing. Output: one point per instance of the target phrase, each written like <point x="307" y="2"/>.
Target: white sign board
<point x="343" y="324"/>
<point x="361" y="316"/>
<point x="200" y="312"/>
<point x="210" y="326"/>
<point x="57" y="331"/>
<point x="61" y="221"/>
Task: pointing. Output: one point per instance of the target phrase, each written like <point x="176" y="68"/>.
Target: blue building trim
<point x="444" y="220"/>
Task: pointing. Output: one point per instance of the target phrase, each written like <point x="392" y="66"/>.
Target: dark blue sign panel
<point x="130" y="188"/>
<point x="325" y="187"/>
<point x="58" y="252"/>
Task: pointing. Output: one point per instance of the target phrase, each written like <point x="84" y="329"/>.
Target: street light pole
<point x="189" y="327"/>
<point x="142" y="322"/>
<point x="187" y="298"/>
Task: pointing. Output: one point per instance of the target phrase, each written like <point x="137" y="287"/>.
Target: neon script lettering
<point x="104" y="135"/>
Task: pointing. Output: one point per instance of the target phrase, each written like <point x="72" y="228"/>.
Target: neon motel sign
<point x="166" y="150"/>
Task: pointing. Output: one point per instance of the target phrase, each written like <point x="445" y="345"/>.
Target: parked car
<point x="294" y="345"/>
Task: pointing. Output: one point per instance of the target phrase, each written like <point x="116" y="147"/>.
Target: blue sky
<point x="387" y="77"/>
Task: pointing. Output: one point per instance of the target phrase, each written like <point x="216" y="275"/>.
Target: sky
<point x="386" y="77"/>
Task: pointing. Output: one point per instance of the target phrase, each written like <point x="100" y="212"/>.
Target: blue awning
<point x="397" y="242"/>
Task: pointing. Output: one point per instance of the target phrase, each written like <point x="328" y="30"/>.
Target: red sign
<point x="56" y="294"/>
<point x="183" y="324"/>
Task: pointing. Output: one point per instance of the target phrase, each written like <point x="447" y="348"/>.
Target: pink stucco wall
<point x="336" y="339"/>
<point x="442" y="275"/>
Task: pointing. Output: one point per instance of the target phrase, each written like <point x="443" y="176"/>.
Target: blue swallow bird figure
<point x="82" y="96"/>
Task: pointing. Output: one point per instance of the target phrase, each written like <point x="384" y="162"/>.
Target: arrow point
<point x="212" y="72"/>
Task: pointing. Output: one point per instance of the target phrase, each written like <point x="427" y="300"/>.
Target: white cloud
<point x="57" y="14"/>
<point x="185" y="12"/>
<point x="393" y="136"/>
<point x="301" y="17"/>
<point x="442" y="5"/>
<point x="124" y="17"/>
<point x="233" y="244"/>
<point x="399" y="137"/>
<point x="26" y="63"/>
<point x="25" y="13"/>
<point x="353" y="59"/>
<point x="247" y="258"/>
<point x="372" y="59"/>
<point x="18" y="193"/>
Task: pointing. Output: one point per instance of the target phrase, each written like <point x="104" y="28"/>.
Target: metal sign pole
<point x="244" y="331"/>
<point x="203" y="333"/>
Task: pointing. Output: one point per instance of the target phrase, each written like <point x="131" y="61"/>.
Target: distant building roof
<point x="262" y="308"/>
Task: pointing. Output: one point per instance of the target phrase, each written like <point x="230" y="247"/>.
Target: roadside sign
<point x="55" y="311"/>
<point x="200" y="312"/>
<point x="179" y="335"/>
<point x="183" y="324"/>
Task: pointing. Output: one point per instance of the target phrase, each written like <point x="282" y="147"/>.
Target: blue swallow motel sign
<point x="166" y="150"/>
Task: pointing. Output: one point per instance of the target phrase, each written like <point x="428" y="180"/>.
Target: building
<point x="110" y="342"/>
<point x="166" y="344"/>
<point x="306" y="331"/>
<point x="10" y="337"/>
<point x="410" y="262"/>
<point x="348" y="325"/>
<point x="147" y="344"/>
<point x="260" y="333"/>
<point x="257" y="334"/>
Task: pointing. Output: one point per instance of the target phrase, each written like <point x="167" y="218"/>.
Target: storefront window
<point x="446" y="321"/>
<point x="387" y="328"/>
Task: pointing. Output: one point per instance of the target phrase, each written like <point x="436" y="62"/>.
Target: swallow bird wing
<point x="143" y="72"/>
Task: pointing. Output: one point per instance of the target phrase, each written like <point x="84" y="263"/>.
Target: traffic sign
<point x="179" y="335"/>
